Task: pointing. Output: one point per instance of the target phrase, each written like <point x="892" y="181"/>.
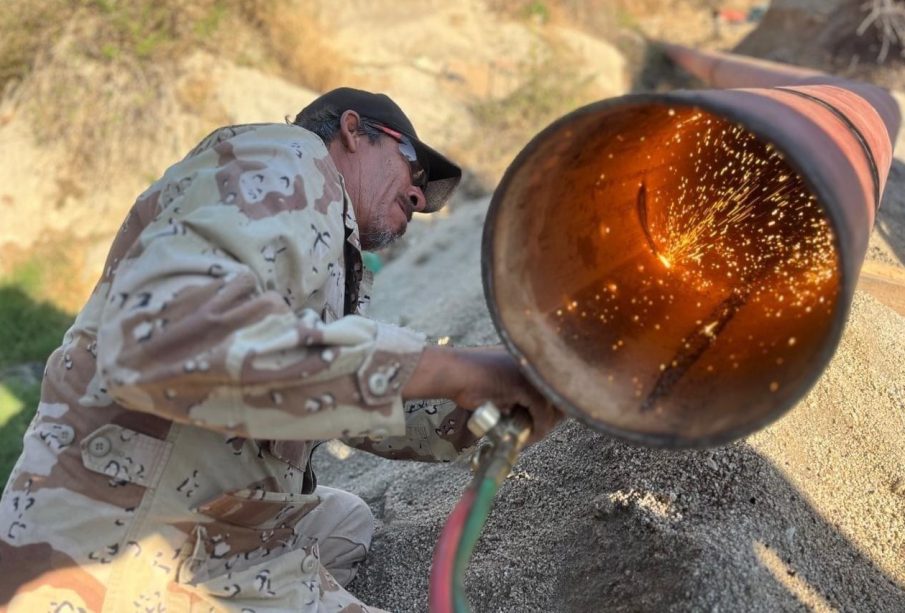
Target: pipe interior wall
<point x="676" y="283"/>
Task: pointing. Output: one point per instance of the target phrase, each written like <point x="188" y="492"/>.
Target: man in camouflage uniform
<point x="167" y="467"/>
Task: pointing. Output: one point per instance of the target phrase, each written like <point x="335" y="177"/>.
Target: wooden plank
<point x="886" y="283"/>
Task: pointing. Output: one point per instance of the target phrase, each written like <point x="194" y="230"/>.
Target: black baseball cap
<point x="442" y="174"/>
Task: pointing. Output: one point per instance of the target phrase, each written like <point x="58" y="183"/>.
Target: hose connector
<point x="483" y="419"/>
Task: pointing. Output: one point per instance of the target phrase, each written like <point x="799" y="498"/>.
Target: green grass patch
<point x="18" y="402"/>
<point x="537" y="10"/>
<point x="208" y="25"/>
<point x="30" y="330"/>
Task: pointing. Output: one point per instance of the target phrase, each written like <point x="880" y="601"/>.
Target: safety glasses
<point x="407" y="149"/>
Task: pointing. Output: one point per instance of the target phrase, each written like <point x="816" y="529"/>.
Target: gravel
<point x="806" y="514"/>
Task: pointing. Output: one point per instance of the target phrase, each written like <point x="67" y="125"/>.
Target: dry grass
<point x="103" y="86"/>
<point x="97" y="76"/>
<point x="93" y="81"/>
<point x="888" y="19"/>
<point x="25" y="26"/>
<point x="54" y="270"/>
<point x="602" y="19"/>
<point x="872" y="29"/>
<point x="504" y="125"/>
<point x="299" y="46"/>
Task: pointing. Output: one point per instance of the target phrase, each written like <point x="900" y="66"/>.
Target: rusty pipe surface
<point x="728" y="71"/>
<point x="857" y="104"/>
<point x="677" y="268"/>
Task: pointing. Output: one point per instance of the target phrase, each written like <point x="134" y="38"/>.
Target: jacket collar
<point x="359" y="280"/>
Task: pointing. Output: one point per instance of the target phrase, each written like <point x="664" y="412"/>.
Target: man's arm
<point x="204" y="320"/>
<point x="471" y="376"/>
<point x="436" y="430"/>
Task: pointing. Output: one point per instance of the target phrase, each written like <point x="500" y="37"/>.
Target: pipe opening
<point x="665" y="273"/>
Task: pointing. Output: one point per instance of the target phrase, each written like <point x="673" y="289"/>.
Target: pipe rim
<point x="760" y="128"/>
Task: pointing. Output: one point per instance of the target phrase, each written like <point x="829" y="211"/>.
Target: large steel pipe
<point x="677" y="268"/>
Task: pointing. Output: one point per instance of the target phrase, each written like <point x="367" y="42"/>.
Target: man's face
<point x="384" y="195"/>
<point x="379" y="181"/>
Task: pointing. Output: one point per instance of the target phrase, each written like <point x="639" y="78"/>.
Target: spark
<point x="731" y="227"/>
<point x="731" y="216"/>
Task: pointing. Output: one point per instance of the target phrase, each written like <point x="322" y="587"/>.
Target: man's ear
<point x="349" y="125"/>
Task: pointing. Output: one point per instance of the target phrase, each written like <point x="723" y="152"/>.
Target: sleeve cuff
<point x="389" y="367"/>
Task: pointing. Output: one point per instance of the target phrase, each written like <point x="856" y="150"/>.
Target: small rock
<point x="790" y="536"/>
<point x="603" y="505"/>
<point x="898" y="486"/>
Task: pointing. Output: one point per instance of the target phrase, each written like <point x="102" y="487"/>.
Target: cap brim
<point x="442" y="176"/>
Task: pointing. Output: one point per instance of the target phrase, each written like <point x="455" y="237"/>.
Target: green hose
<point x="474" y="524"/>
<point x="505" y="437"/>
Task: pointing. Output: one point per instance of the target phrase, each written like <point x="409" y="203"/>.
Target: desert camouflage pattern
<point x="167" y="468"/>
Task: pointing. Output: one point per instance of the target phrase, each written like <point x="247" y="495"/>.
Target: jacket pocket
<point x="124" y="455"/>
<point x="259" y="510"/>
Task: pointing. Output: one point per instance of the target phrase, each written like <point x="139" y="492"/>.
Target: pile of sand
<point x="806" y="512"/>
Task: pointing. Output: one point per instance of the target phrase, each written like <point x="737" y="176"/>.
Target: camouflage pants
<point x="311" y="578"/>
<point x="341" y="528"/>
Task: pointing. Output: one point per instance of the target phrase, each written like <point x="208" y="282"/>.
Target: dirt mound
<point x="57" y="196"/>
<point x="789" y="32"/>
<point x="477" y="81"/>
<point x="839" y="36"/>
<point x="586" y="522"/>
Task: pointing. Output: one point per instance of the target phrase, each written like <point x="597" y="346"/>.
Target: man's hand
<point x="473" y="376"/>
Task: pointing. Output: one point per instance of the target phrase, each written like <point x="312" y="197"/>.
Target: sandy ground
<point x="806" y="512"/>
<point x="804" y="515"/>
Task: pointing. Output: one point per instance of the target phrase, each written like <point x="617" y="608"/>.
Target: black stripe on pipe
<point x="874" y="173"/>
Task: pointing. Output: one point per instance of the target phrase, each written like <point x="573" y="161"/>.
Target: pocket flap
<point x="124" y="455"/>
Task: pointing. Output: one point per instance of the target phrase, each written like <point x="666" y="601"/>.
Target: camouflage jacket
<point x="169" y="454"/>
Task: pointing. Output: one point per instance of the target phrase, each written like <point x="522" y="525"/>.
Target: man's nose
<point x="416" y="197"/>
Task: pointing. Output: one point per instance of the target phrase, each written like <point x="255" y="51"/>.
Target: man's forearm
<point x="470" y="376"/>
<point x="437" y="375"/>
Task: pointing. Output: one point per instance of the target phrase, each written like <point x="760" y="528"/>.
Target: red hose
<point x="440" y="594"/>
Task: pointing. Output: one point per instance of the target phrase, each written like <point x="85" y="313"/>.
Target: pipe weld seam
<point x="874" y="172"/>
